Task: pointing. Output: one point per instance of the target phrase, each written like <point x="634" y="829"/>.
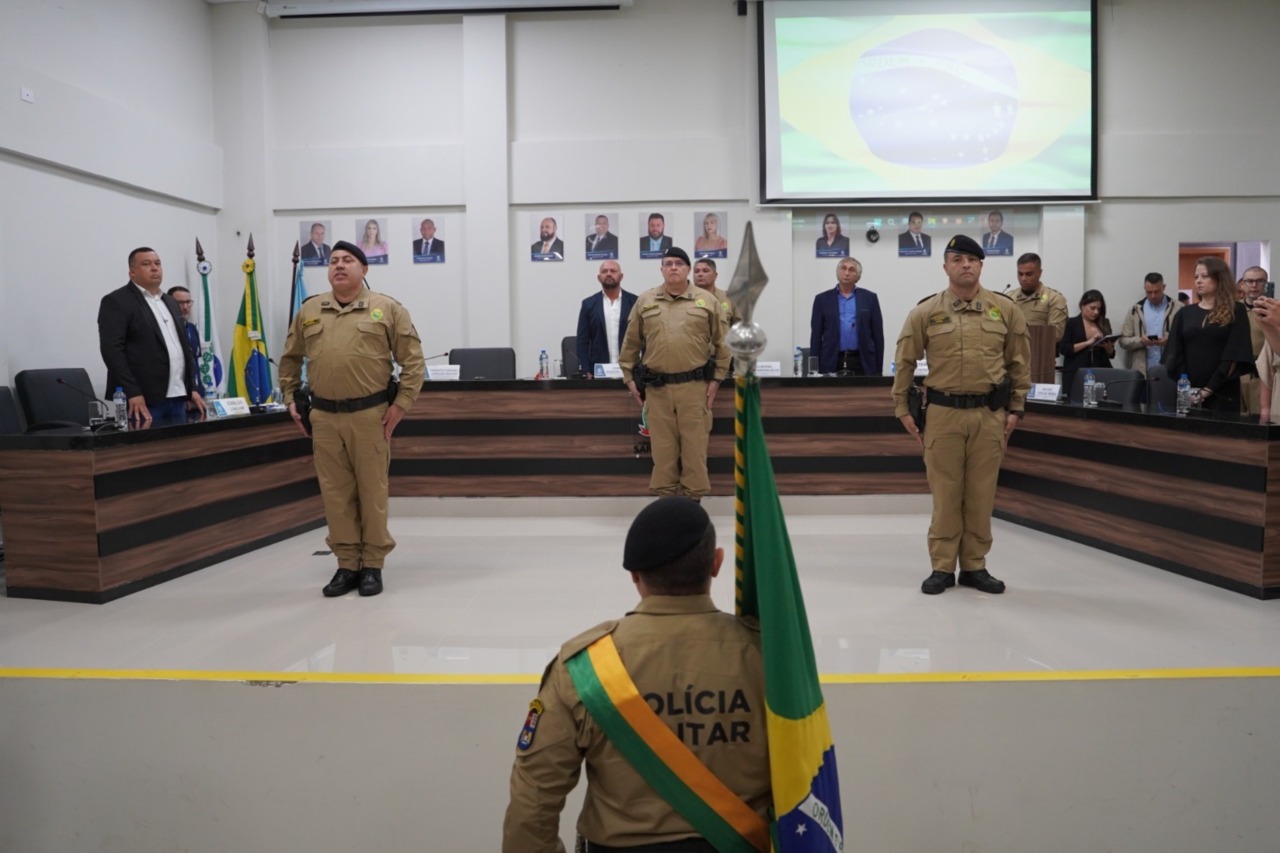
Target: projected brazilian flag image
<point x="802" y="755"/>
<point x="924" y="104"/>
<point x="250" y="369"/>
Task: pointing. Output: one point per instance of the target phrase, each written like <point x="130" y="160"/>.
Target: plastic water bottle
<point x="1184" y="396"/>
<point x="120" y="406"/>
<point x="1089" y="382"/>
<point x="797" y="365"/>
<point x="544" y="365"/>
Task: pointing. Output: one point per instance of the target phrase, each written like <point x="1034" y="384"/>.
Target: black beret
<point x="664" y="530"/>
<point x="962" y="245"/>
<point x="677" y="252"/>
<point x="353" y="249"/>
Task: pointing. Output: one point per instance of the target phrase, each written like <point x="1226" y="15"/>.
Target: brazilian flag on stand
<point x="250" y="368"/>
<point x="802" y="755"/>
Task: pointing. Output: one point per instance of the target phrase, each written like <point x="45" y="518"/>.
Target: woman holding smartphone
<point x="1210" y="342"/>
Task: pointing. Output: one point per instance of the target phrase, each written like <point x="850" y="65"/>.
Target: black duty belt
<point x="958" y="401"/>
<point x="698" y="373"/>
<point x="348" y="406"/>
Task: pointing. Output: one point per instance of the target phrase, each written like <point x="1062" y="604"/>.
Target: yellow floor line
<point x="510" y="678"/>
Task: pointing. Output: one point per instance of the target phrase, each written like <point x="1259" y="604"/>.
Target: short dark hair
<point x="176" y="288"/>
<point x="657" y="216"/>
<point x="687" y="574"/>
<point x="1183" y="298"/>
<point x="1154" y="278"/>
<point x="1029" y="258"/>
<point x="706" y="261"/>
<point x="140" y="250"/>
<point x="915" y="214"/>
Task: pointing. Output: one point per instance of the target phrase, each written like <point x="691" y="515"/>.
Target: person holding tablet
<point x="1087" y="340"/>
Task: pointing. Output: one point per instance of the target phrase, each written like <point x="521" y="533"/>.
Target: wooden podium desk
<point x="580" y="437"/>
<point x="95" y="517"/>
<point x="1198" y="497"/>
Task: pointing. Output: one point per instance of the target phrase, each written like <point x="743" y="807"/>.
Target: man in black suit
<point x="602" y="241"/>
<point x="655" y="243"/>
<point x="143" y="344"/>
<point x="602" y="322"/>
<point x="913" y="241"/>
<point x="315" y="252"/>
<point x="428" y="245"/>
<point x="549" y="247"/>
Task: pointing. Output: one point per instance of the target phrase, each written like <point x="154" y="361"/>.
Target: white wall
<point x="117" y="151"/>
<point x="161" y="121"/>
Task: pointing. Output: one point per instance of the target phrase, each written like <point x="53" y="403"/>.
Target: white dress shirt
<point x="612" y="320"/>
<point x="177" y="361"/>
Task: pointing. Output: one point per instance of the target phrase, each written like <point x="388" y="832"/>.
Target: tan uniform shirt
<point x="701" y="671"/>
<point x="349" y="350"/>
<point x="727" y="311"/>
<point x="1044" y="307"/>
<point x="676" y="334"/>
<point x="970" y="345"/>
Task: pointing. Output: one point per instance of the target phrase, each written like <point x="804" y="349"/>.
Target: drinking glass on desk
<point x="814" y="363"/>
<point x="1099" y="392"/>
<point x="559" y="369"/>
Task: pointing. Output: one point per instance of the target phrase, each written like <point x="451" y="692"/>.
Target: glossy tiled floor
<point x="493" y="587"/>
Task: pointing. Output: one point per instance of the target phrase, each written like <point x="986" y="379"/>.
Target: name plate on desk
<point x="608" y="371"/>
<point x="228" y="406"/>
<point x="768" y="368"/>
<point x="1044" y="392"/>
<point x="444" y="372"/>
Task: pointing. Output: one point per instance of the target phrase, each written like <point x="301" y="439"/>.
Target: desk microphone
<point x="102" y="422"/>
<point x="444" y="354"/>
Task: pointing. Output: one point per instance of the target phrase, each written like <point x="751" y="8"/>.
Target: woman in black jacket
<point x="1083" y="343"/>
<point x="1211" y="344"/>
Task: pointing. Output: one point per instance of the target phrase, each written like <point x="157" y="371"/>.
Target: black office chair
<point x="804" y="361"/>
<point x="1124" y="386"/>
<point x="11" y="422"/>
<point x="55" y="398"/>
<point x="1162" y="391"/>
<point x="569" y="356"/>
<point x="484" y="362"/>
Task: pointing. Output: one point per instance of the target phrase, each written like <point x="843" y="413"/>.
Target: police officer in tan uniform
<point x="699" y="669"/>
<point x="350" y="337"/>
<point x="977" y="346"/>
<point x="704" y="276"/>
<point x="1040" y="304"/>
<point x="681" y="330"/>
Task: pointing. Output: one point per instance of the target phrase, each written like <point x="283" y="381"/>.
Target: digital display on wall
<point x="954" y="100"/>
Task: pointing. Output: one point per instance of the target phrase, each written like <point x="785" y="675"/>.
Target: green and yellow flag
<point x="250" y="366"/>
<point x="802" y="756"/>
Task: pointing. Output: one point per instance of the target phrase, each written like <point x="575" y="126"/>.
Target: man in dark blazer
<point x="846" y="331"/>
<point x="997" y="241"/>
<point x="315" y="252"/>
<point x="655" y="243"/>
<point x="143" y="344"/>
<point x="593" y="333"/>
<point x="428" y="245"/>
<point x="914" y="241"/>
<point x="602" y="241"/>
<point x="548" y="247"/>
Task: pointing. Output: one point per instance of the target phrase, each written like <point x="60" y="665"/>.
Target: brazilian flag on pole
<point x="802" y="755"/>
<point x="250" y="370"/>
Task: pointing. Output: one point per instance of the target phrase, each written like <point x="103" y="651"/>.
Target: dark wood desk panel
<point x="95" y="517"/>
<point x="1210" y="498"/>
<point x="581" y="437"/>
